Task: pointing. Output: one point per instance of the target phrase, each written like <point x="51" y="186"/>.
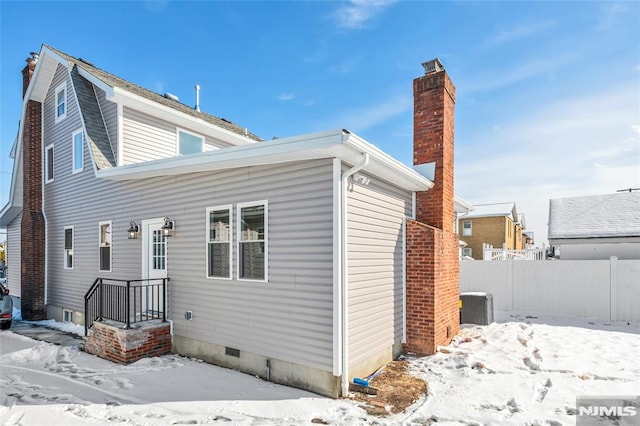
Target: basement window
<point x="67" y="315"/>
<point x="61" y="102"/>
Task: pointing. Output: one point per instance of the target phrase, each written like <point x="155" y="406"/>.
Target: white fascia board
<point x="14" y="147"/>
<point x="330" y="144"/>
<point x="43" y="74"/>
<point x="460" y="205"/>
<point x="155" y="109"/>
<point x="305" y="147"/>
<point x="14" y="205"/>
<point x="385" y="166"/>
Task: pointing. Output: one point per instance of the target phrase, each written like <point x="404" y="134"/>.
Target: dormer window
<point x="61" y="102"/>
<point x="189" y="143"/>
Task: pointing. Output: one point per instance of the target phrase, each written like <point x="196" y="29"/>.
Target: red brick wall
<point x="433" y="125"/>
<point x="126" y="346"/>
<point x="432" y="247"/>
<point x="32" y="227"/>
<point x="433" y="316"/>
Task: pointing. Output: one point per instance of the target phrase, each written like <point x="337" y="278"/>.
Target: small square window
<point x="67" y="315"/>
<point x="466" y="252"/>
<point x="189" y="143"/>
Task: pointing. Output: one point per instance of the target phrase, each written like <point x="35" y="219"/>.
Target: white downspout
<point x="43" y="170"/>
<point x="344" y="272"/>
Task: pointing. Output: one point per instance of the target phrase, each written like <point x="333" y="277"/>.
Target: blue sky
<point x="548" y="93"/>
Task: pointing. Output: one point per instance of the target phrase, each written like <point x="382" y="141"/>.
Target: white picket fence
<point x="601" y="289"/>
<point x="491" y="253"/>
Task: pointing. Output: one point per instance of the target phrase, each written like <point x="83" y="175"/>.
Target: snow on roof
<point x="495" y="209"/>
<point x="595" y="216"/>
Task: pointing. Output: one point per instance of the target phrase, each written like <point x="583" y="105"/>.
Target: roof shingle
<point x="114" y="81"/>
<point x="595" y="216"/>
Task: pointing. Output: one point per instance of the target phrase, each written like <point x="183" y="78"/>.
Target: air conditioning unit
<point x="477" y="308"/>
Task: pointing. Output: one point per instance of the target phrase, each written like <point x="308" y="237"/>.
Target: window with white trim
<point x="67" y="315"/>
<point x="252" y="241"/>
<point x="48" y="163"/>
<point x="68" y="247"/>
<point x="467" y="252"/>
<point x="189" y="143"/>
<point x="61" y="102"/>
<point x="105" y="246"/>
<point x="219" y="222"/>
<point x="466" y="228"/>
<point x="77" y="151"/>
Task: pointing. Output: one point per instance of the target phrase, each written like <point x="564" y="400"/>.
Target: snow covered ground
<point x="520" y="370"/>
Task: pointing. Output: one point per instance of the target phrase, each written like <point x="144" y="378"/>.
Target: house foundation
<point x="271" y="369"/>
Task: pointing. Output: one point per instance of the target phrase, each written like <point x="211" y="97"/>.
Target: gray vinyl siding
<point x="288" y="318"/>
<point x="71" y="204"/>
<point x="149" y="138"/>
<point x="110" y="115"/>
<point x="13" y="256"/>
<point x="375" y="214"/>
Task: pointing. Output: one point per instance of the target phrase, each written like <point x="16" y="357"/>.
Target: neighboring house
<point x="595" y="226"/>
<point x="499" y="225"/>
<point x="307" y="260"/>
<point x="528" y="237"/>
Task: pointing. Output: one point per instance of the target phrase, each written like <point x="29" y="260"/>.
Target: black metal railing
<point x="125" y="301"/>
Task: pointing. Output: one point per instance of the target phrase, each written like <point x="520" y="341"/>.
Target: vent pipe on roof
<point x="197" y="97"/>
<point x="171" y="96"/>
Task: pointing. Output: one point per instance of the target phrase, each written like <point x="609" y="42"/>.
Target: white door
<point x="154" y="266"/>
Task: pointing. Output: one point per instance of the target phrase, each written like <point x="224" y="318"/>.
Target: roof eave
<point x="389" y="168"/>
<point x="331" y="144"/>
<point x="150" y="107"/>
<point x="14" y="205"/>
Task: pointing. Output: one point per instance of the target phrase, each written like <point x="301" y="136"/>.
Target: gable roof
<point x="115" y="81"/>
<point x="595" y="216"/>
<point x="493" y="209"/>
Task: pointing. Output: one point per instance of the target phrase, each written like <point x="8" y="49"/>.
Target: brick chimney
<point x="432" y="247"/>
<point x="32" y="229"/>
<point x="434" y="100"/>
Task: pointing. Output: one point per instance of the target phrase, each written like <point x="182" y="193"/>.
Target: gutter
<point x="345" y="279"/>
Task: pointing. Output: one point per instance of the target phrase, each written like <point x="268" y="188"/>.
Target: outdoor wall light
<point x="168" y="227"/>
<point x="133" y="231"/>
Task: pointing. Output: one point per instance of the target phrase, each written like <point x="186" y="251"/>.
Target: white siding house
<point x="595" y="226"/>
<point x="285" y="256"/>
